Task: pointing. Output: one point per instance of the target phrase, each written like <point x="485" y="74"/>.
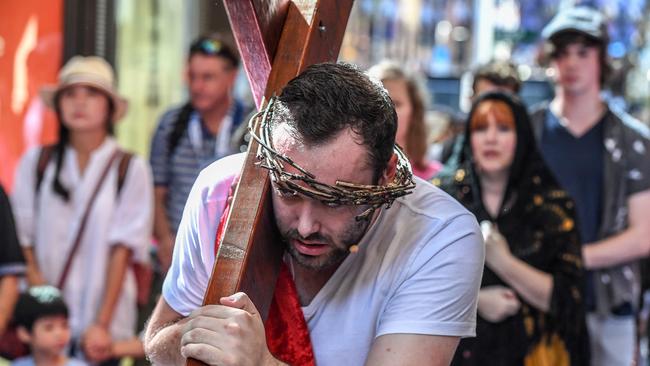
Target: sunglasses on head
<point x="214" y="47"/>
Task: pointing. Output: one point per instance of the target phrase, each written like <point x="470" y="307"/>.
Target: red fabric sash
<point x="287" y="335"/>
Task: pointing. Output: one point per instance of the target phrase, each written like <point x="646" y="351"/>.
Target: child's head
<point x="41" y="316"/>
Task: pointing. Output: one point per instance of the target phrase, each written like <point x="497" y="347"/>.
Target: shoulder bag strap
<point x="84" y="220"/>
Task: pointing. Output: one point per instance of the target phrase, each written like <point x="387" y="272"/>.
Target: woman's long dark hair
<point x="64" y="139"/>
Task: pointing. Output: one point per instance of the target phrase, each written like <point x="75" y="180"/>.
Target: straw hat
<point x="91" y="71"/>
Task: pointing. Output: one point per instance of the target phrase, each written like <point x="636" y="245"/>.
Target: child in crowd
<point x="42" y="319"/>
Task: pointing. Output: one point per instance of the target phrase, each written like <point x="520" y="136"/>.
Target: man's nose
<point x="196" y="84"/>
<point x="308" y="222"/>
<point x="572" y="59"/>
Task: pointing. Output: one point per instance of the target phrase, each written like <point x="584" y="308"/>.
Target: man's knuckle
<point x="230" y="359"/>
<point x="233" y="329"/>
<point x="241" y="316"/>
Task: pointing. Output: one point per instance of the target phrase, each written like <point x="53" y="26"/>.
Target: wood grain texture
<point x="251" y="43"/>
<point x="271" y="15"/>
<point x="250" y="234"/>
<point x="250" y="253"/>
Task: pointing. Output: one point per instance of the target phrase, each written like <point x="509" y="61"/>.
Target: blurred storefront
<point x="146" y="41"/>
<point x="442" y="39"/>
<point x="153" y="37"/>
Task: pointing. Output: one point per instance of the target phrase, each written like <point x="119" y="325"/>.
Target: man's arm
<point x="628" y="245"/>
<point x="161" y="168"/>
<point x="412" y="349"/>
<point x="162" y="337"/>
<point x="161" y="228"/>
<point x="228" y="334"/>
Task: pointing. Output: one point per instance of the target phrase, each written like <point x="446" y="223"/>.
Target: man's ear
<point x="23" y="334"/>
<point x="186" y="74"/>
<point x="390" y="171"/>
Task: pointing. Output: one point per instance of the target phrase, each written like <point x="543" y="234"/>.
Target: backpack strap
<point x="123" y="169"/>
<point x="178" y="128"/>
<point x="47" y="152"/>
<point x="44" y="157"/>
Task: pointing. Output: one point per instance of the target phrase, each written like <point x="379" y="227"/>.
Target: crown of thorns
<point x="342" y="193"/>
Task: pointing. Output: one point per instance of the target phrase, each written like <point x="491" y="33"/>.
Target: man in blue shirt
<point x="194" y="135"/>
<point x="600" y="157"/>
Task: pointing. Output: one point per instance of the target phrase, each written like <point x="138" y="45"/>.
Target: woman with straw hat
<point x="84" y="208"/>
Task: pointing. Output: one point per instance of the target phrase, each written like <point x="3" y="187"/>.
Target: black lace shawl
<point x="537" y="219"/>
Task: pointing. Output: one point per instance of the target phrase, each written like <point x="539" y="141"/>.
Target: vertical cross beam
<point x="293" y="34"/>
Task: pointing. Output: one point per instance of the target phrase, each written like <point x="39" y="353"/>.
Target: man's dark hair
<point x="214" y="45"/>
<point x="560" y="41"/>
<point x="329" y="97"/>
<point x="36" y="303"/>
<point x="500" y="73"/>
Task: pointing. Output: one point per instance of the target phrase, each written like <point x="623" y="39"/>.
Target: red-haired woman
<point x="530" y="304"/>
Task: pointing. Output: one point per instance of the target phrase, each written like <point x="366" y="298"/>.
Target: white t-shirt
<point x="417" y="271"/>
<point x="49" y="224"/>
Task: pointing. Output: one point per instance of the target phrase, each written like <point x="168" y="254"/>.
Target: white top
<point x="50" y="224"/>
<point x="417" y="271"/>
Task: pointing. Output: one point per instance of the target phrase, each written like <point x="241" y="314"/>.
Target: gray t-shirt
<point x="417" y="271"/>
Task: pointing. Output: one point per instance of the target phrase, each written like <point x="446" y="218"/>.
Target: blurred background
<point x="147" y="40"/>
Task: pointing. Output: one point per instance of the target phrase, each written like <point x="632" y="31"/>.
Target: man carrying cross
<point x="386" y="268"/>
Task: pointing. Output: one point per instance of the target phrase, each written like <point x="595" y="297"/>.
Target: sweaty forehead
<point x="342" y="158"/>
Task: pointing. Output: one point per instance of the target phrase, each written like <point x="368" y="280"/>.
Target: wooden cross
<point x="277" y="39"/>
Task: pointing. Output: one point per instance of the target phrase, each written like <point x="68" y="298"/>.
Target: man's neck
<point x="44" y="359"/>
<point x="213" y="117"/>
<point x="578" y="112"/>
<point x="310" y="281"/>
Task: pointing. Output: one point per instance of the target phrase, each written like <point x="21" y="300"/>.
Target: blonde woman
<point x="410" y="104"/>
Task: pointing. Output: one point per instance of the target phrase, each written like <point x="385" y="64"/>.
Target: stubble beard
<point x="351" y="236"/>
